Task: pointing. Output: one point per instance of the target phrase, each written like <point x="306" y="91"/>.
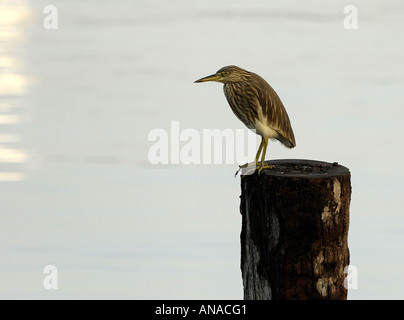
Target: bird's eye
<point x="224" y="73"/>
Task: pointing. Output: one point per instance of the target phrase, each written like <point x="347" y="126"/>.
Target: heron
<point x="258" y="106"/>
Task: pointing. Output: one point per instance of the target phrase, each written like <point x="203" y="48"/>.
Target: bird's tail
<point x="290" y="143"/>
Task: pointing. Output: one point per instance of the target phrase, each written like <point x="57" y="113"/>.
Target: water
<point x="77" y="105"/>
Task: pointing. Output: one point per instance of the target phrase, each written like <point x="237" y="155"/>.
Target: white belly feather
<point x="264" y="130"/>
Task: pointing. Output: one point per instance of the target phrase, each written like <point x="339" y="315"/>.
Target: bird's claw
<point x="264" y="166"/>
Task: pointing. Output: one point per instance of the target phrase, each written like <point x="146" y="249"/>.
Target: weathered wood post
<point x="294" y="237"/>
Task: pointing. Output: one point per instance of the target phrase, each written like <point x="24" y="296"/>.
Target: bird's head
<point x="228" y="74"/>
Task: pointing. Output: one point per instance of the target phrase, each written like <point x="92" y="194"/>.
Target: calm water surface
<point x="77" y="105"/>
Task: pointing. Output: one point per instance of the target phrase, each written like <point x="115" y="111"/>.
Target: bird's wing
<point x="273" y="110"/>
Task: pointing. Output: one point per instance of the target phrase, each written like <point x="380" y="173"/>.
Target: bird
<point x="258" y="106"/>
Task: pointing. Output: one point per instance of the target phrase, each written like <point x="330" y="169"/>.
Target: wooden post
<point x="294" y="237"/>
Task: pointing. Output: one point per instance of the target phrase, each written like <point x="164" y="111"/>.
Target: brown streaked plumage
<point x="257" y="105"/>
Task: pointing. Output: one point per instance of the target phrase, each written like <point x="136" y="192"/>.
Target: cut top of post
<point x="305" y="168"/>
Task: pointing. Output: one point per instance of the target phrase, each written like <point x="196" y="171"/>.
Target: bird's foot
<point x="263" y="166"/>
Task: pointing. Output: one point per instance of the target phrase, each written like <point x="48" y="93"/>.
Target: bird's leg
<point x="259" y="151"/>
<point x="263" y="165"/>
<point x="257" y="155"/>
<point x="251" y="165"/>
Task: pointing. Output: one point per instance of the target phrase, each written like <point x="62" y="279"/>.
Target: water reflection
<point x="13" y="87"/>
<point x="13" y="84"/>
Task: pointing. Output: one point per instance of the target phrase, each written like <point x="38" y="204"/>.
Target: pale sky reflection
<point x="13" y="83"/>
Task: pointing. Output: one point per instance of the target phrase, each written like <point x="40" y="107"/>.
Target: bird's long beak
<point x="212" y="77"/>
